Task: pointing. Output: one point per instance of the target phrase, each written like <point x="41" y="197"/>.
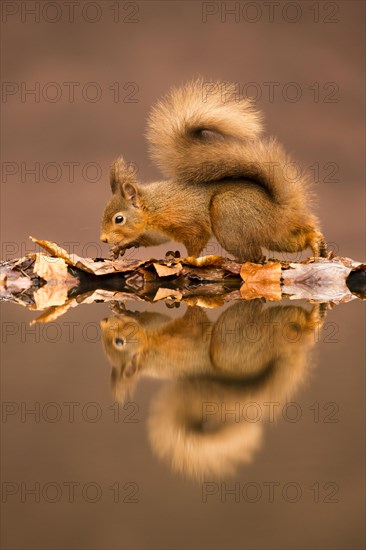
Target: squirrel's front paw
<point x="116" y="251"/>
<point x="117" y="307"/>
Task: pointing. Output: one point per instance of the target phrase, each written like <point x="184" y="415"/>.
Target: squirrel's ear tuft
<point x="130" y="194"/>
<point x="115" y="184"/>
<point x="117" y="170"/>
<point x="121" y="173"/>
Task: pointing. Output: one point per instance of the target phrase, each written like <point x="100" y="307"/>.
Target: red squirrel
<point x="224" y="179"/>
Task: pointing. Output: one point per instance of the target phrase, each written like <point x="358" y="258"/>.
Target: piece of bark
<point x="95" y="267"/>
<point x="163" y="293"/>
<point x="167" y="271"/>
<point x="53" y="313"/>
<point x="55" y="283"/>
<point x="323" y="280"/>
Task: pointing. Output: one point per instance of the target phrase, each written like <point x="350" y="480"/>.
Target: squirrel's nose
<point x="103" y="238"/>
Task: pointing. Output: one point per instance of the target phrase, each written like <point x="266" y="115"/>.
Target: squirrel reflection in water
<point x="223" y="377"/>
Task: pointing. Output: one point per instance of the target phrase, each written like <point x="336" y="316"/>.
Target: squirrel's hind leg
<point x="247" y="252"/>
<point x="243" y="250"/>
<point x="195" y="244"/>
<point x="236" y="226"/>
<point x="319" y="246"/>
<point x="299" y="239"/>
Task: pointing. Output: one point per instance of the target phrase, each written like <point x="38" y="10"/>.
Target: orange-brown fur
<point x="251" y="354"/>
<point x="224" y="180"/>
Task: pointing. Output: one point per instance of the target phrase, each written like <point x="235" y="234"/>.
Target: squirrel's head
<point x="122" y="338"/>
<point x="123" y="219"/>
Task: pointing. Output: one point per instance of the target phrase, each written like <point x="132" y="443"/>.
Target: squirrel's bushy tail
<point x="199" y="110"/>
<point x="203" y="132"/>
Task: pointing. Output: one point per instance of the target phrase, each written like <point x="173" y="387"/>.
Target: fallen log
<point x="56" y="281"/>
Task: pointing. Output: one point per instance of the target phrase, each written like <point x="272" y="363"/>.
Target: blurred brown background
<point x="140" y="49"/>
<point x="95" y="83"/>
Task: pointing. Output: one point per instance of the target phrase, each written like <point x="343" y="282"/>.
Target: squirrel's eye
<point x="119" y="219"/>
<point x="119" y="342"/>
